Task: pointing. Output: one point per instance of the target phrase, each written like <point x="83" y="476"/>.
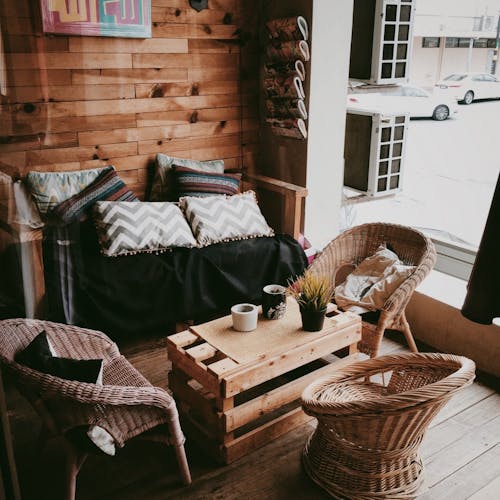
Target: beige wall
<point x="443" y="327"/>
<point x="425" y="69"/>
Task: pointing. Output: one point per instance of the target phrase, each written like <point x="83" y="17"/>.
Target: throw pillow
<point x="160" y="189"/>
<point x="126" y="228"/>
<point x="223" y="218"/>
<point x="40" y="355"/>
<point x="48" y="189"/>
<point x="107" y="186"/>
<point x="190" y="182"/>
<point x="372" y="282"/>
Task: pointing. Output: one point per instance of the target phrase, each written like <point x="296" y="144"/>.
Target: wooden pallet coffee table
<point x="237" y="391"/>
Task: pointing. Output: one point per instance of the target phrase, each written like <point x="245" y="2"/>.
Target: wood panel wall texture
<point x="80" y="102"/>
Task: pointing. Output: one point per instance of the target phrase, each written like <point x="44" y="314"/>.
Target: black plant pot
<point x="312" y="320"/>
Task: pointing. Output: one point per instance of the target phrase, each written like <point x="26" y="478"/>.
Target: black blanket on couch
<point x="148" y="293"/>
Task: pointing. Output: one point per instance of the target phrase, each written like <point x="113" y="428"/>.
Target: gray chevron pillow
<point x="126" y="228"/>
<point x="225" y="218"/>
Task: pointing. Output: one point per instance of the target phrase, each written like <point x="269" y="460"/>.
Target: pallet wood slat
<point x="201" y="352"/>
<point x="222" y="366"/>
<point x="272" y="367"/>
<point x="66" y="60"/>
<point x="128" y="46"/>
<point x="128" y="75"/>
<point x="274" y="399"/>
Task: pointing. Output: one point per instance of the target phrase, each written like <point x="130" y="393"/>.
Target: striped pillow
<point x="190" y="182"/>
<point x="107" y="186"/>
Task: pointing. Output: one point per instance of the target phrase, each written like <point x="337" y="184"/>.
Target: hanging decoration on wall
<point x="118" y="18"/>
<point x="198" y="5"/>
<point x="283" y="76"/>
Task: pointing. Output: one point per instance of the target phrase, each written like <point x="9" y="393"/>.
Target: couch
<point x="66" y="278"/>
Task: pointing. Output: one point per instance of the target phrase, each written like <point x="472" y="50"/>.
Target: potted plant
<point x="312" y="292"/>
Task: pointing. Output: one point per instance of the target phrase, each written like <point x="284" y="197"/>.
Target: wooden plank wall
<point x="80" y="102"/>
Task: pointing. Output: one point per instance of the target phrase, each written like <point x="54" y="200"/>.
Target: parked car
<point x="402" y="98"/>
<point x="467" y="87"/>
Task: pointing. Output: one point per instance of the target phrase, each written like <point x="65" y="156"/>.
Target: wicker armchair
<point x="126" y="405"/>
<point x="372" y="417"/>
<point x="346" y="251"/>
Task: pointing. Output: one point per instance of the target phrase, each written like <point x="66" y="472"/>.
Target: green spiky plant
<point x="311" y="291"/>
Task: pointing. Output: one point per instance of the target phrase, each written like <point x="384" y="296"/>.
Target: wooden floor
<point x="461" y="453"/>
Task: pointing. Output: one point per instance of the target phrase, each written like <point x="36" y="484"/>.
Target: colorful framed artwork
<point x="121" y="18"/>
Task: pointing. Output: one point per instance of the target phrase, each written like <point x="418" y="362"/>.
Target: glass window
<point x="389" y="32"/>
<point x="491" y="43"/>
<point x="390" y="12"/>
<point x="480" y="43"/>
<point x="386" y="70"/>
<point x="403" y="32"/>
<point x="400" y="70"/>
<point x="404" y="14"/>
<point x="451" y="42"/>
<point x="455" y="77"/>
<point x="463" y="42"/>
<point x="388" y="52"/>
<point x="402" y="50"/>
<point x="489" y="78"/>
<point x="431" y="42"/>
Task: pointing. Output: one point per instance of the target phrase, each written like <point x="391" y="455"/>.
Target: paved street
<point x="450" y="175"/>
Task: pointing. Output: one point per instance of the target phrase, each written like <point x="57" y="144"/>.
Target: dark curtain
<point x="482" y="302"/>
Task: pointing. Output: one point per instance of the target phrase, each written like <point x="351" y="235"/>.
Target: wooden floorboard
<point x="461" y="452"/>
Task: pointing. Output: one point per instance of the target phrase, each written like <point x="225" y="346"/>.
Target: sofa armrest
<point x="290" y="213"/>
<point x="32" y="268"/>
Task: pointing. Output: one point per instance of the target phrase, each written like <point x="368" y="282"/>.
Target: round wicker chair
<point x="345" y="252"/>
<point x="372" y="417"/>
<point x="126" y="405"/>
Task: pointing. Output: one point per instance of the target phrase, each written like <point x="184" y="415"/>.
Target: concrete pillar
<point x="330" y="52"/>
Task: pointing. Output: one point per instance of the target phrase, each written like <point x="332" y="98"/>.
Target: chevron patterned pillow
<point x="126" y="228"/>
<point x="225" y="218"/>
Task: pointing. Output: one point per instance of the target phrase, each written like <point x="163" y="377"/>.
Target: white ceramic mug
<point x="244" y="317"/>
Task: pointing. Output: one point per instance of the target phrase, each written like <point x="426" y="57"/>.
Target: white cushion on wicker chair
<point x="372" y="282"/>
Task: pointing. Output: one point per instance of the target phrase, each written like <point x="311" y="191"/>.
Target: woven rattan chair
<point x="346" y="251"/>
<point x="372" y="416"/>
<point x="126" y="405"/>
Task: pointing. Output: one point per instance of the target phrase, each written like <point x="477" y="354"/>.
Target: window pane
<point x="492" y="43"/>
<point x="397" y="149"/>
<point x="386" y="134"/>
<point x="389" y="32"/>
<point x="463" y="42"/>
<point x="395" y="166"/>
<point x="431" y="42"/>
<point x="384" y="151"/>
<point x="388" y="51"/>
<point x="394" y="182"/>
<point x="480" y="43"/>
<point x="383" y="168"/>
<point x="390" y="12"/>
<point x="402" y="51"/>
<point x="400" y="70"/>
<point x="386" y="70"/>
<point x="400" y="119"/>
<point x="398" y="133"/>
<point x="404" y="30"/>
<point x="382" y="184"/>
<point x="451" y="42"/>
<point x="404" y="14"/>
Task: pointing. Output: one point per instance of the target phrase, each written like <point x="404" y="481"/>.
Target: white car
<point x="466" y="87"/>
<point x="403" y="98"/>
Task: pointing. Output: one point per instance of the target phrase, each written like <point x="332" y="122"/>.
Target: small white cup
<point x="244" y="317"/>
